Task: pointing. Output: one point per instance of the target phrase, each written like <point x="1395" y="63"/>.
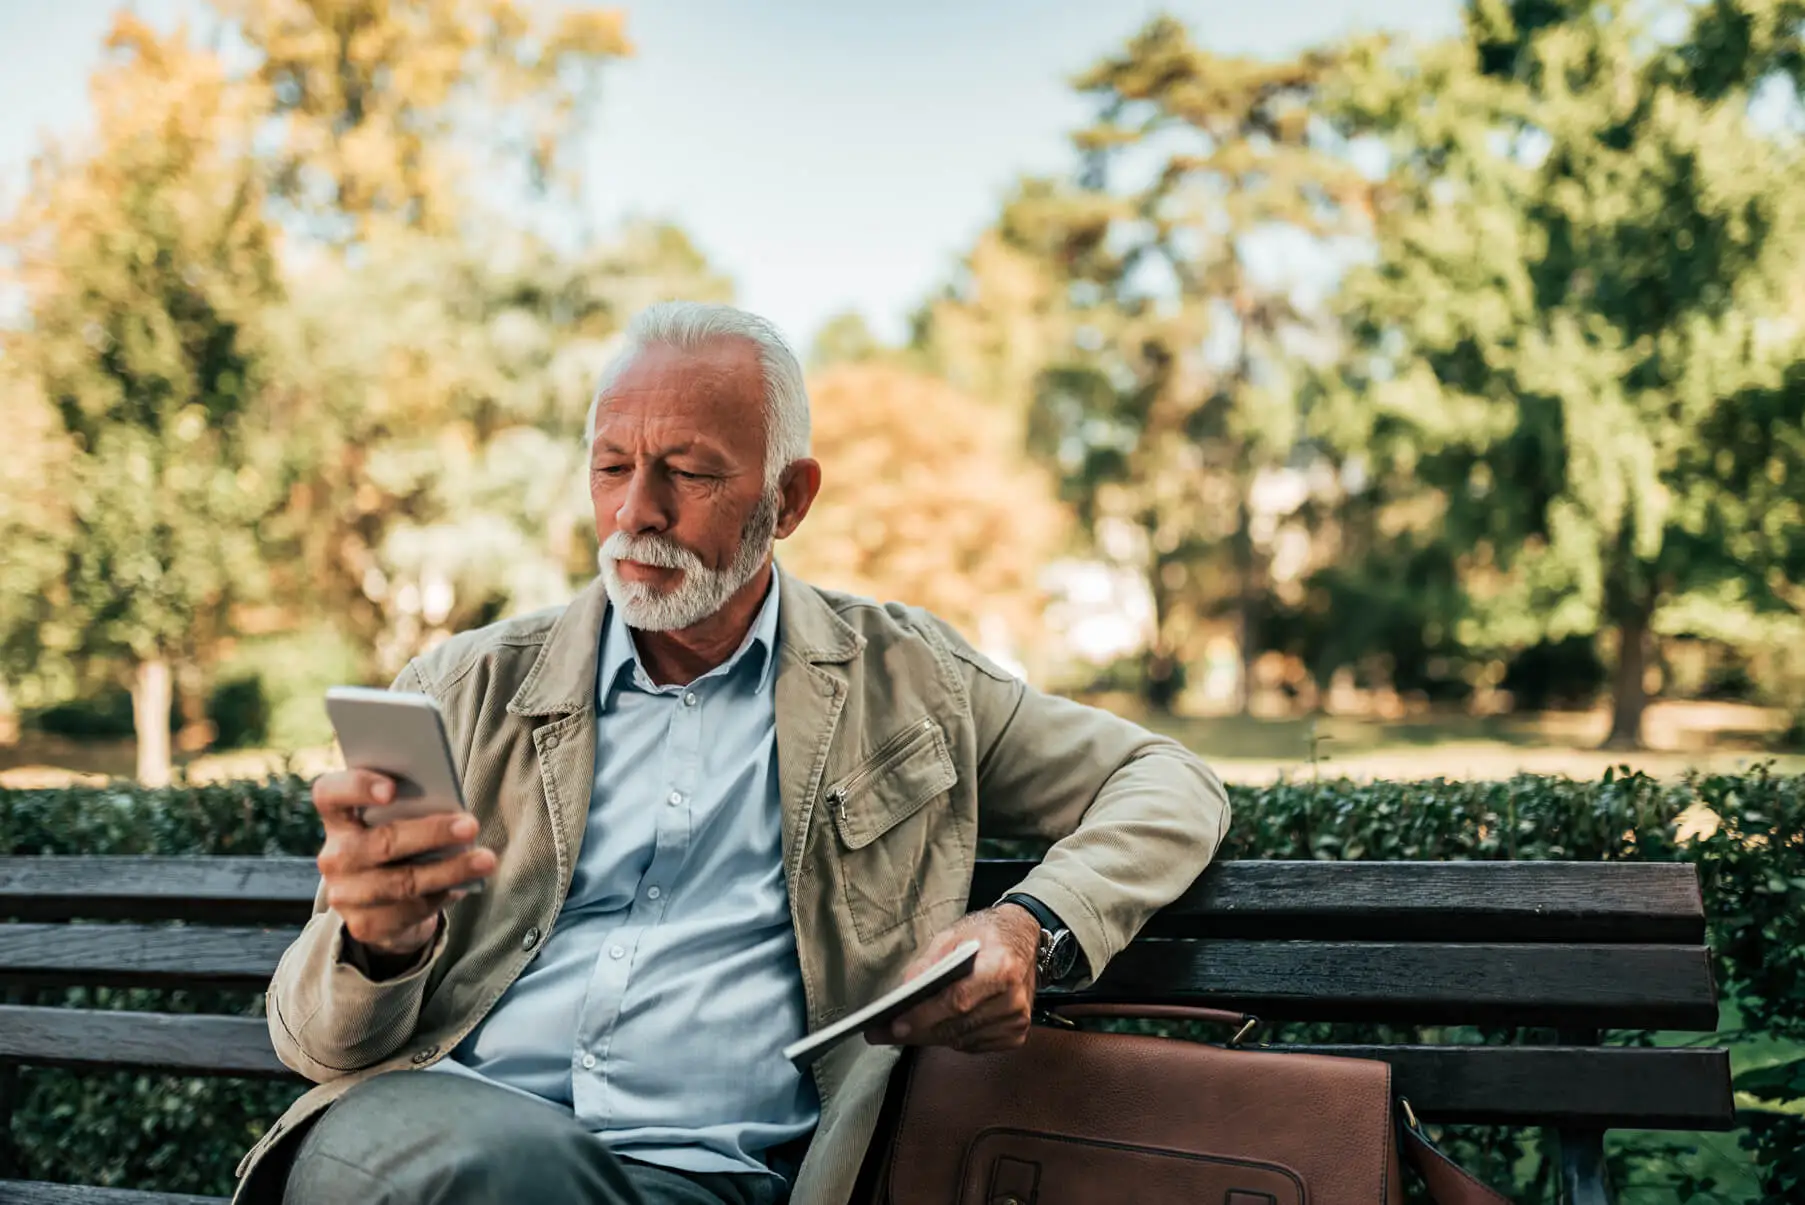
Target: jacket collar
<point x="810" y="628"/>
<point x="562" y="680"/>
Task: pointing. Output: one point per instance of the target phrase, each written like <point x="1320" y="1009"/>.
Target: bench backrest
<point x="1567" y="948"/>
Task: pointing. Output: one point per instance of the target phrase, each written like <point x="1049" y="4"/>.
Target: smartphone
<point x="400" y="734"/>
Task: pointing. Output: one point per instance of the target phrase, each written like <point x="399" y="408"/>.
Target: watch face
<point x="1061" y="956"/>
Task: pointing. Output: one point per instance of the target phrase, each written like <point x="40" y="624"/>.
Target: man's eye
<point x="610" y="470"/>
<point x="688" y="476"/>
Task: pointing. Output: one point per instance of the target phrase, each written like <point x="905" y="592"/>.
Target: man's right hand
<point x="392" y="911"/>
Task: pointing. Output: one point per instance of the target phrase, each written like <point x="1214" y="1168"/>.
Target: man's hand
<point x="392" y="911"/>
<point x="991" y="1008"/>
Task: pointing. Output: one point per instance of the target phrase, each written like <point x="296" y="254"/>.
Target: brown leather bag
<point x="1084" y="1118"/>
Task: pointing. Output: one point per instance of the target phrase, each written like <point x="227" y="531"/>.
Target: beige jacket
<point x="920" y="741"/>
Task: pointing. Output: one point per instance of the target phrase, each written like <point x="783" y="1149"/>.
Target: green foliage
<point x="845" y="338"/>
<point x="1136" y="305"/>
<point x="293" y="670"/>
<point x="1579" y="334"/>
<point x="187" y="1135"/>
<point x="147" y="268"/>
<point x="107" y="713"/>
<point x="240" y="712"/>
<point x="441" y="478"/>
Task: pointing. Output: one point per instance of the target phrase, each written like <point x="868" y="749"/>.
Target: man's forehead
<point x="686" y="445"/>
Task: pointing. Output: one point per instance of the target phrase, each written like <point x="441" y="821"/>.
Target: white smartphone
<point x="400" y="734"/>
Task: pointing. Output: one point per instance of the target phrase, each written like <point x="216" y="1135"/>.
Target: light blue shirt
<point x="659" y="1007"/>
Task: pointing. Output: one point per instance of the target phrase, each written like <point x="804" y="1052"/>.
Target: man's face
<point x="677" y="477"/>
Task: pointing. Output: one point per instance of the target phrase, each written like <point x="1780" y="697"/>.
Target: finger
<point x="392" y="884"/>
<point x="933" y="1016"/>
<point x="338" y="796"/>
<point x="958" y="1032"/>
<point x="349" y="850"/>
<point x="385" y="843"/>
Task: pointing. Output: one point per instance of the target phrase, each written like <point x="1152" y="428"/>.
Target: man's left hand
<point x="991" y="1008"/>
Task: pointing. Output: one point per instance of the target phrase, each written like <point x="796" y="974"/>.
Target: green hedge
<point x="177" y="1135"/>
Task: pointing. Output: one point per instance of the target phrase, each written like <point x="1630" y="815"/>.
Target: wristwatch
<point x="1058" y="945"/>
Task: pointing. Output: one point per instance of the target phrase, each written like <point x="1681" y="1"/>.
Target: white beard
<point x="701" y="591"/>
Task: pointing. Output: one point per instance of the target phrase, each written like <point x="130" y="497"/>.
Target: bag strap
<point x="1448" y="1182"/>
<point x="1242" y="1024"/>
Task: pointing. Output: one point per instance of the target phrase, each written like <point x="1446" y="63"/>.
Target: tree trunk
<point x="1628" y="699"/>
<point x="1246" y="628"/>
<point x="1161" y="679"/>
<point x="1246" y="602"/>
<point x="150" y="717"/>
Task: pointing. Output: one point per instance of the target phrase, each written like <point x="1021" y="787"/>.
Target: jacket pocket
<point x="889" y="836"/>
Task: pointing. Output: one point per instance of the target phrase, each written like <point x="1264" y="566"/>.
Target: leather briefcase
<point x="1083" y="1118"/>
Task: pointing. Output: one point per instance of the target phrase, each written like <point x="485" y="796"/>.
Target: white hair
<point x="692" y="325"/>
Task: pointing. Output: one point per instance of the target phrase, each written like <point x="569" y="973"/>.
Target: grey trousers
<point x="416" y="1138"/>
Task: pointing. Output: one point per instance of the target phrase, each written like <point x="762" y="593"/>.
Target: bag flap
<point x="1327" y="1121"/>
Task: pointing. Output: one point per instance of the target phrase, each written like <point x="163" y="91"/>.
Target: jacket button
<point x="551" y="740"/>
<point x="530" y="938"/>
<point x="425" y="1056"/>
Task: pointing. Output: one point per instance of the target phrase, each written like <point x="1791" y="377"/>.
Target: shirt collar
<point x="620" y="655"/>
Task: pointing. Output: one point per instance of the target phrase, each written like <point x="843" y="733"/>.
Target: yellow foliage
<point x="927" y="499"/>
<point x="380" y="98"/>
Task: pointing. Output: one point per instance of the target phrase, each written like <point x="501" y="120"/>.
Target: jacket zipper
<point x="888" y="756"/>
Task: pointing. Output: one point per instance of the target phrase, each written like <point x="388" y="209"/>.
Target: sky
<point x="825" y="154"/>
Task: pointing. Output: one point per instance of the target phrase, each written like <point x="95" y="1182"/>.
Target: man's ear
<point x="797" y="487"/>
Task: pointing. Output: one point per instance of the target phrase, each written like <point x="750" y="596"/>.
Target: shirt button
<point x="675" y="799"/>
<point x="617" y="952"/>
<point x="653" y="893"/>
<point x="530" y="938"/>
<point x="689" y="699"/>
<point x="551" y="740"/>
<point x="589" y="1062"/>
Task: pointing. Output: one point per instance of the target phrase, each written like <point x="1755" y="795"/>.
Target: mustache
<point x="661" y="552"/>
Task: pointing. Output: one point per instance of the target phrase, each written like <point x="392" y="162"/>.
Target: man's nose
<point x="643" y="508"/>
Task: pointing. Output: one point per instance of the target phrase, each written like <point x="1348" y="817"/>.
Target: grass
<point x="1247" y="749"/>
<point x="1682" y="736"/>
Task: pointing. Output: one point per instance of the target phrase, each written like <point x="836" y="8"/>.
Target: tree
<point x="1578" y="312"/>
<point x="927" y="499"/>
<point x="846" y="338"/>
<point x="390" y="112"/>
<point x="1002" y="320"/>
<point x="145" y="263"/>
<point x="1168" y="389"/>
<point x="445" y="334"/>
<point x="441" y="480"/>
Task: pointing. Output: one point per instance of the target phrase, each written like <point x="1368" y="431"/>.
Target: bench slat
<point x="1578" y="1086"/>
<point x="140" y="955"/>
<point x="219" y="890"/>
<point x="1612" y="987"/>
<point x="1503" y="1085"/>
<point x="1557" y="986"/>
<point x="97" y="1040"/>
<point x="1588" y="902"/>
<point x="1647" y="903"/>
<point x="34" y="1192"/>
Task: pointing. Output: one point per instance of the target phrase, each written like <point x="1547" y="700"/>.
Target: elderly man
<point x="715" y="808"/>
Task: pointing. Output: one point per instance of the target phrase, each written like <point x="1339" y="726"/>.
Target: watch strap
<point x="1049" y="920"/>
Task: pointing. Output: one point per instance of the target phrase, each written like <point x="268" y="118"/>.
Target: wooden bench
<point x="1563" y="950"/>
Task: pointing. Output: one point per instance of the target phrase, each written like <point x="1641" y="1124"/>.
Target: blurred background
<point x="1395" y="389"/>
